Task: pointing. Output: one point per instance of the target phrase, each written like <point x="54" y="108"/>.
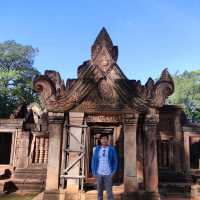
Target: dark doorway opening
<point x="194" y="153"/>
<point x="115" y="136"/>
<point x="95" y="133"/>
<point x="163" y="149"/>
<point x="5" y="148"/>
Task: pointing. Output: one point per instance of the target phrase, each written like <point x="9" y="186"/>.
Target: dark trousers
<point x="104" y="182"/>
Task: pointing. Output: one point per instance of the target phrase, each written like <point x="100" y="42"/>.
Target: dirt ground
<point x="17" y="196"/>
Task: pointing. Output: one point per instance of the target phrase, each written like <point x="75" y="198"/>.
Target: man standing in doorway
<point x="104" y="165"/>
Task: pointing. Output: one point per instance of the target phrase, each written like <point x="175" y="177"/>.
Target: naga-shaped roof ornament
<point x="102" y="74"/>
<point x="154" y="93"/>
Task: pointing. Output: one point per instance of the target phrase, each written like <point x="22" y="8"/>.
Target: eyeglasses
<point x="104" y="153"/>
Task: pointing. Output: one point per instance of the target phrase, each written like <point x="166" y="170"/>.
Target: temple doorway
<point x="194" y="152"/>
<point x="115" y="139"/>
<point x="5" y="148"/>
<point x="165" y="154"/>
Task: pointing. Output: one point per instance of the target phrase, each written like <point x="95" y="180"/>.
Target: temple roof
<point x="101" y="83"/>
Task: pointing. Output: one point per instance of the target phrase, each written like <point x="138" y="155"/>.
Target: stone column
<point x="187" y="151"/>
<point x="46" y="145"/>
<point x="130" y="160"/>
<point x="22" y="145"/>
<point x="178" y="148"/>
<point x="150" y="156"/>
<point x="37" y="149"/>
<point x="41" y="157"/>
<point x="54" y="154"/>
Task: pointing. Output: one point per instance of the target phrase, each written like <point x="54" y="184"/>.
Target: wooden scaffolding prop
<point x="74" y="151"/>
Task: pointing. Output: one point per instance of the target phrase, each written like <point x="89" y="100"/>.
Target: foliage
<point x="16" y="73"/>
<point x="187" y="93"/>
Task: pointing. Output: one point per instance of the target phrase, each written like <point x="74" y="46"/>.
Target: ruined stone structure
<point x="157" y="146"/>
<point x="24" y="149"/>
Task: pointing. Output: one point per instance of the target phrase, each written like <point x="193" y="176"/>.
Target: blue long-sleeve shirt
<point x="112" y="159"/>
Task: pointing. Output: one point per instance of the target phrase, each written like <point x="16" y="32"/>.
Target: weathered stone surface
<point x="150" y="151"/>
<point x="54" y="154"/>
<point x="130" y="165"/>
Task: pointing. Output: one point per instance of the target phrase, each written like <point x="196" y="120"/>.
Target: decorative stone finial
<point x="103" y="45"/>
<point x="165" y="76"/>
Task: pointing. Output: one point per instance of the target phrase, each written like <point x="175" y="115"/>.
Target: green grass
<point x="17" y="197"/>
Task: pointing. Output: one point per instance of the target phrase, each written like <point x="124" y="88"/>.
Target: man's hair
<point x="103" y="135"/>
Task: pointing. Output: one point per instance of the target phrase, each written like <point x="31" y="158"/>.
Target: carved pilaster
<point x="37" y="150"/>
<point x="150" y="154"/>
<point x="41" y="157"/>
<point x="130" y="168"/>
<point x="178" y="147"/>
<point x="46" y="144"/>
<point x="55" y="128"/>
<point x="22" y="153"/>
<point x="187" y="152"/>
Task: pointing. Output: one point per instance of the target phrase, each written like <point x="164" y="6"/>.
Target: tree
<point x="187" y="93"/>
<point x="16" y="73"/>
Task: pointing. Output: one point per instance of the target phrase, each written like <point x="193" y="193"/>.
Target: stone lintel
<point x="11" y="123"/>
<point x="191" y="129"/>
<point x="104" y="118"/>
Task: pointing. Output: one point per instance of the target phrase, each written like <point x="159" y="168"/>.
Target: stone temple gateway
<point x="156" y="144"/>
<point x="106" y="101"/>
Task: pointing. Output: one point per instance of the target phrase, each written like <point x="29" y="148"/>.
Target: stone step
<point x="30" y="173"/>
<point x="29" y="185"/>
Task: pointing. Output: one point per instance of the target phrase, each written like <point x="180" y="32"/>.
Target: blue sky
<point x="150" y="34"/>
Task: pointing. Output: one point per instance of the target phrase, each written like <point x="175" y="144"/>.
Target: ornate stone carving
<point x="102" y="42"/>
<point x="104" y="118"/>
<point x="63" y="100"/>
<point x="155" y="94"/>
<point x="152" y="117"/>
<point x="106" y="91"/>
<point x="103" y="60"/>
<point x="101" y="75"/>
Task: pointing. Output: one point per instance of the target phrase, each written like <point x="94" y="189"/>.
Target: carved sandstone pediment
<point x="102" y="84"/>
